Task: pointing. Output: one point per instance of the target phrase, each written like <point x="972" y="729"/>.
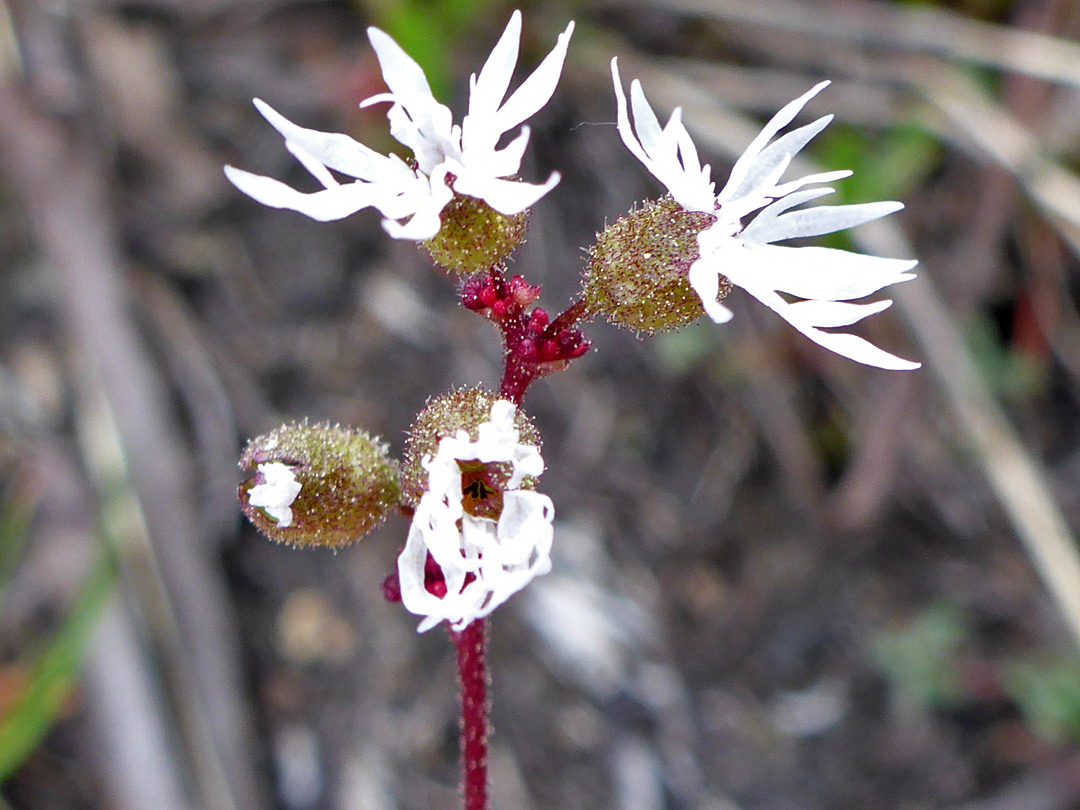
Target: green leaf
<point x="1013" y="375"/>
<point x="886" y="167"/>
<point x="919" y="660"/>
<point x="1048" y="694"/>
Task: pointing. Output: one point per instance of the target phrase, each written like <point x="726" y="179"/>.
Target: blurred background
<point x="782" y="580"/>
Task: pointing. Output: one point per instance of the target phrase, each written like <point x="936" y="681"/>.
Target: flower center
<point x="480" y="493"/>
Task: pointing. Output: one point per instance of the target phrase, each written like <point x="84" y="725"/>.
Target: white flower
<point x="277" y="492"/>
<point x="744" y="251"/>
<point x="483" y="561"/>
<point x="469" y="152"/>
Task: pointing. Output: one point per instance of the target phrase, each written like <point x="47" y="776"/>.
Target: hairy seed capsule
<point x="444" y="416"/>
<point x="317" y="485"/>
<point x="637" y="271"/>
<point x="474" y="236"/>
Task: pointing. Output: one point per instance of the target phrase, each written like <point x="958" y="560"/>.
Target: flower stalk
<point x="471" y="646"/>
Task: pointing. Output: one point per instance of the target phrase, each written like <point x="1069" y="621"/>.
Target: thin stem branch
<point x="574" y="313"/>
<point x="559" y="339"/>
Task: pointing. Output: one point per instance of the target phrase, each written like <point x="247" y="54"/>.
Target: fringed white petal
<point x="423" y="210"/>
<point x="504" y="162"/>
<point x="309" y="162"/>
<point x="766" y="216"/>
<point x="743" y="252"/>
<point x="823" y="274"/>
<point x="424" y="126"/>
<point x="402" y="74"/>
<point x="815" y="221"/>
<point x="488" y="89"/>
<point x="668" y="153"/>
<point x="793" y="185"/>
<point x="705" y="280"/>
<point x="508" y="197"/>
<point x="537" y="90"/>
<point x="851" y="346"/>
<point x="526" y="532"/>
<point x="745" y="165"/>
<point x="412" y="200"/>
<point x="329" y="204"/>
<point x="765" y="271"/>
<point x="756" y="179"/>
<point x="825" y="314"/>
<point x="334" y="150"/>
<point x="489" y="117"/>
<point x="646" y="123"/>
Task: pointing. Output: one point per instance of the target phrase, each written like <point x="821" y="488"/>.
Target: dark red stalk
<point x="472" y="669"/>
<point x="535" y="346"/>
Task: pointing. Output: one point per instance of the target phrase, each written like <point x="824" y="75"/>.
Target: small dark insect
<point x="478" y="490"/>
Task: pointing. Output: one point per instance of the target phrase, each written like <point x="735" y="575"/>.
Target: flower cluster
<point x="481" y="560"/>
<point x="479" y="530"/>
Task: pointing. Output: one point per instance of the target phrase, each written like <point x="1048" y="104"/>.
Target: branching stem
<point x="534" y="346"/>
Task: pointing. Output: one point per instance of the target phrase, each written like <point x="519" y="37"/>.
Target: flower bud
<point x="637" y="271"/>
<point x="444" y="416"/>
<point x="474" y="236"/>
<point x="317" y="485"/>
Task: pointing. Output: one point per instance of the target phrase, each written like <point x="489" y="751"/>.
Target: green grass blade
<point x="16" y="511"/>
<point x="56" y="671"/>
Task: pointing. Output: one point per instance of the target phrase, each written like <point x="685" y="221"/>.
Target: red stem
<point x="516" y="378"/>
<point x="518" y="373"/>
<point x="472" y="670"/>
<point x="521" y="368"/>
